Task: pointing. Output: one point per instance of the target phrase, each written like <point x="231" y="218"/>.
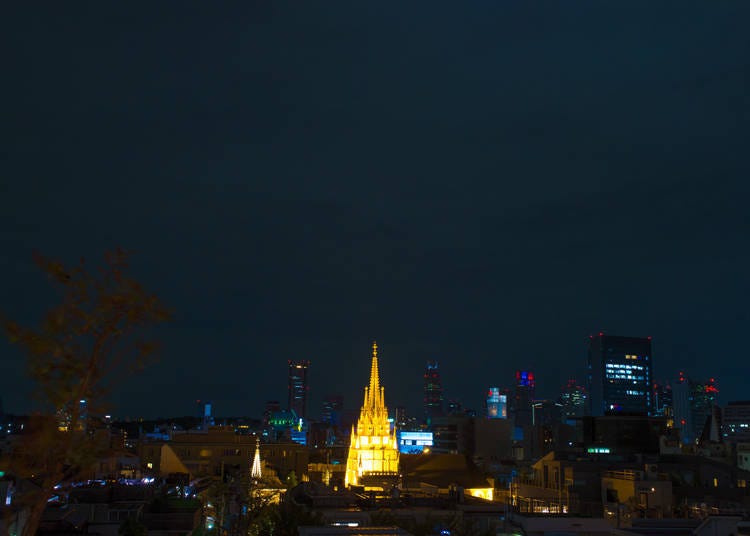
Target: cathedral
<point x="373" y="451"/>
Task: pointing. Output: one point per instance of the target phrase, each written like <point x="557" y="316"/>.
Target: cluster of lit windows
<point x="618" y="371"/>
<point x="416" y="438"/>
<point x="624" y="366"/>
<point x="631" y="356"/>
<point x="634" y="393"/>
<point x="635" y="379"/>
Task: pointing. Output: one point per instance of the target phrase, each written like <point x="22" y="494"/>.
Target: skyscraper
<point x="693" y="405"/>
<point x="332" y="407"/>
<point x="523" y="396"/>
<point x="433" y="391"/>
<point x="298" y="387"/>
<point x="663" y="402"/>
<point x="373" y="451"/>
<point x="573" y="400"/>
<point x="619" y="375"/>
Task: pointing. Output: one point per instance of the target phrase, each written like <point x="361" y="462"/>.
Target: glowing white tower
<point x="256" y="471"/>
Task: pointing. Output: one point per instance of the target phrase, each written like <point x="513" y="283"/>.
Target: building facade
<point x="217" y="452"/>
<point x="373" y="451"/>
<point x="736" y="422"/>
<point x="619" y="375"/>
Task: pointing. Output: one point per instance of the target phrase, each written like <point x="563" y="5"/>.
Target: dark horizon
<point x="482" y="185"/>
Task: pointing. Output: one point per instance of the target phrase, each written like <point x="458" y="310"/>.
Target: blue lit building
<point x="413" y="442"/>
<point x="619" y="375"/>
<point x="206" y="414"/>
<point x="497" y="404"/>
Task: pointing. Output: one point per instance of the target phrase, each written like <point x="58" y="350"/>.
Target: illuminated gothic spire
<point x="374" y="448"/>
<point x="256" y="472"/>
<point x="374" y="389"/>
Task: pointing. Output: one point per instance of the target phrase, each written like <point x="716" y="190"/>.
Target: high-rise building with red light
<point x="619" y="375"/>
<point x="433" y="391"/>
<point x="523" y="396"/>
<point x="693" y="405"/>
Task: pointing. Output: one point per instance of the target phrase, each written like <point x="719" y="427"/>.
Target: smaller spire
<point x="256" y="471"/>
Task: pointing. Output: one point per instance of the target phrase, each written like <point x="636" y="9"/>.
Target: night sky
<point x="482" y="183"/>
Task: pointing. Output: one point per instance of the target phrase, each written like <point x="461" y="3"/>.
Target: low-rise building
<point x="219" y="451"/>
<point x="646" y="492"/>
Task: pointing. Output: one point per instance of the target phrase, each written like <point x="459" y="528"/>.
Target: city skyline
<point x="485" y="189"/>
<point x="317" y="406"/>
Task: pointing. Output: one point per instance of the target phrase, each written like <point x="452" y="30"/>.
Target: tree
<point x="286" y="517"/>
<point x="92" y="337"/>
<point x="131" y="527"/>
<point x="291" y="479"/>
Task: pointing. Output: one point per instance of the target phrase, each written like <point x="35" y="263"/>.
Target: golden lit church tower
<point x="373" y="450"/>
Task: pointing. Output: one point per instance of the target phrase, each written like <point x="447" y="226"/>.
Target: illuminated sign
<point x="598" y="450"/>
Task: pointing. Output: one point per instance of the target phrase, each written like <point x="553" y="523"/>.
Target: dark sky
<point x="483" y="183"/>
